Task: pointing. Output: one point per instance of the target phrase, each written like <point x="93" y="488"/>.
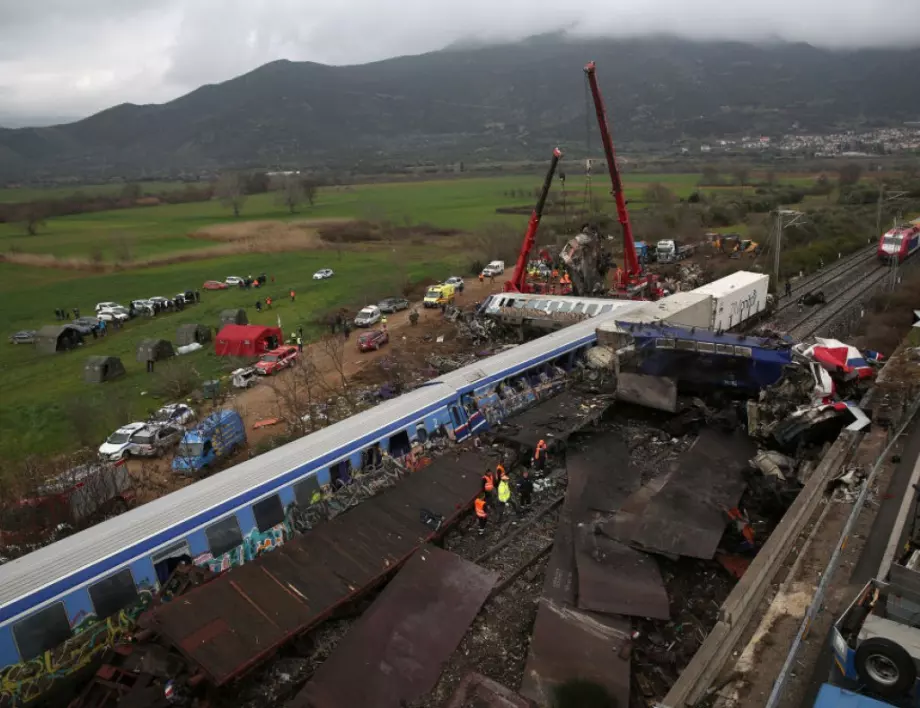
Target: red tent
<point x="246" y="340"/>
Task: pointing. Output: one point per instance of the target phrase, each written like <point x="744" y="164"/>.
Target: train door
<point x="475" y="419"/>
<point x="459" y="422"/>
<point x="168" y="559"/>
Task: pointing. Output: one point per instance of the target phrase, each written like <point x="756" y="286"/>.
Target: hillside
<point x="498" y="102"/>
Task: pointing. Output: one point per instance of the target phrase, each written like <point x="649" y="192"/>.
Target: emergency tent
<point x="57" y="338"/>
<point x="154" y="350"/>
<point x="192" y="334"/>
<point x="237" y="316"/>
<point x="100" y="369"/>
<point x="246" y="340"/>
<point x="839" y="358"/>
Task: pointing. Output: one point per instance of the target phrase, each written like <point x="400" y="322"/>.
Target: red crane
<point x="634" y="274"/>
<point x="518" y="282"/>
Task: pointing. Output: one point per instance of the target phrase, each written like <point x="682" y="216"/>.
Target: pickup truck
<point x="670" y="251"/>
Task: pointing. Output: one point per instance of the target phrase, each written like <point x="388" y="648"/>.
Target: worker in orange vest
<point x="482" y="279"/>
<point x="539" y="456"/>
<point x="499" y="470"/>
<point x="488" y="483"/>
<point x="293" y="294"/>
<point x="482" y="515"/>
<point x="555" y="275"/>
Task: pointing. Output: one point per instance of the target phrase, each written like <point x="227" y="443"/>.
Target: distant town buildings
<point x="881" y="141"/>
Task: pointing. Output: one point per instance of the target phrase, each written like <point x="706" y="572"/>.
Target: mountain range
<point x="485" y="103"/>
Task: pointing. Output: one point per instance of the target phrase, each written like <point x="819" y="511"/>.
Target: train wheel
<point x="885" y="667"/>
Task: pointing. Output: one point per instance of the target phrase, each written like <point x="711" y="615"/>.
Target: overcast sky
<point x="63" y="58"/>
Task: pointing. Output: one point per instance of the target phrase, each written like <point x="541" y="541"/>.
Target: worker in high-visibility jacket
<point x="539" y="456"/>
<point x="504" y="496"/>
<point x="488" y="484"/>
<point x="482" y="516"/>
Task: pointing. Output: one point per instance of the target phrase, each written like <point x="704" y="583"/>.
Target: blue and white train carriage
<point x="52" y="596"/>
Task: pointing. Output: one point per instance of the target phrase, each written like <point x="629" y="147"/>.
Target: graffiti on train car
<point x="26" y="681"/>
<point x="513" y="396"/>
<point x="255" y="543"/>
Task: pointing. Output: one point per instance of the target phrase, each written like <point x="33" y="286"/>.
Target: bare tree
<point x="298" y="395"/>
<point x="710" y="175"/>
<point x="175" y="378"/>
<point x="32" y="216"/>
<point x="310" y="188"/>
<point x="290" y="192"/>
<point x="741" y="176"/>
<point x="657" y="193"/>
<point x="230" y="190"/>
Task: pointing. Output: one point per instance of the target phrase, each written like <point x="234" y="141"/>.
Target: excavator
<point x="585" y="260"/>
<point x="518" y="282"/>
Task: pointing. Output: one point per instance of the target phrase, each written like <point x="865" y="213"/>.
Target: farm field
<point x="43" y="394"/>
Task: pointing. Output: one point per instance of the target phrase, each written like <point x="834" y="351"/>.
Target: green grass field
<point x="39" y="391"/>
<point x="27" y="194"/>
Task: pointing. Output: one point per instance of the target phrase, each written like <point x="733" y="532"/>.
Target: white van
<point x="368" y="317"/>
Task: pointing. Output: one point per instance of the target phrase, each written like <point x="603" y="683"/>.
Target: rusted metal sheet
<point x="616" y="579"/>
<point x="395" y="652"/>
<point x="553" y="420"/>
<point x="569" y="643"/>
<point x="478" y="691"/>
<point x="230" y="624"/>
<point x="688" y="516"/>
<point x="601" y="460"/>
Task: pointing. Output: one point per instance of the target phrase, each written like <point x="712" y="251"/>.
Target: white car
<point x="456" y="281"/>
<point x="106" y="306"/>
<point x="174" y="414"/>
<point x="234" y="280"/>
<point x="367" y="317"/>
<point x="114" y="313"/>
<point x="143" y="307"/>
<point x="154" y="439"/>
<point x="323" y="274"/>
<point x="118" y="444"/>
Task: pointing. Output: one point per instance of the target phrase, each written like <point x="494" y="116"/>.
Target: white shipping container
<point x="736" y="298"/>
<point x="686" y="309"/>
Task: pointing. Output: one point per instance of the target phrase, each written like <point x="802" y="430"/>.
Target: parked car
<point x="142" y="307"/>
<point x="23" y="336"/>
<point x="214" y="285"/>
<point x="393" y="304"/>
<point x="493" y="268"/>
<point x="215" y="438"/>
<point x="114" y="313"/>
<point x="456" y="281"/>
<point x="154" y="439"/>
<point x="118" y="444"/>
<point x="174" y="414"/>
<point x="277" y="359"/>
<point x="106" y="305"/>
<point x="368" y="316"/>
<point x="373" y="340"/>
<point x="84" y="329"/>
<point x="164" y="303"/>
<point x="244" y="377"/>
<point x="233" y="280"/>
<point x="323" y="274"/>
<point x="87" y="321"/>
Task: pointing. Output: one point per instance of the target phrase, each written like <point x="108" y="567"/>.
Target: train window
<point x="540" y="305"/>
<point x="223" y="536"/>
<point x="399" y="443"/>
<point x="688" y="345"/>
<point x="421" y="433"/>
<point x="340" y="474"/>
<point x="371" y="458"/>
<point x="307" y="491"/>
<point x="606" y="308"/>
<point x="725" y="349"/>
<point x="268" y="512"/>
<point x="592" y="309"/>
<point x="42" y="631"/>
<point x="707" y="348"/>
<point x="113" y="594"/>
<point x="171" y="557"/>
<point x="579" y="307"/>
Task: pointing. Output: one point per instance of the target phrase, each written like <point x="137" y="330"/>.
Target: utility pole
<point x="784" y="219"/>
<point x="882" y="199"/>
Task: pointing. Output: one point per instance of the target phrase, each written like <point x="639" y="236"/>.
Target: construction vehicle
<point x="631" y="281"/>
<point x="671" y="251"/>
<point x="518" y="282"/>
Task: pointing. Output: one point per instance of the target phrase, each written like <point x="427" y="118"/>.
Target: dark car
<point x="83" y="327"/>
<point x="393" y="304"/>
<point x="86" y="322"/>
<point x="370" y="341"/>
<point x="25" y="336"/>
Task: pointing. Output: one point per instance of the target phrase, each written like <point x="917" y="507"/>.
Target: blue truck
<point x="213" y="439"/>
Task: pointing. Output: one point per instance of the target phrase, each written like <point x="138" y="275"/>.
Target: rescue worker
<point x="539" y="456"/>
<point x="491" y="278"/>
<point x="258" y="306"/>
<point x="268" y="301"/>
<point x="482" y="278"/>
<point x="299" y="343"/>
<point x="413" y="317"/>
<point x="293" y="294"/>
<point x="504" y="495"/>
<point x="383" y="322"/>
<point x="482" y="516"/>
<point x="488" y="482"/>
<point x="788" y="289"/>
<point x="525" y="490"/>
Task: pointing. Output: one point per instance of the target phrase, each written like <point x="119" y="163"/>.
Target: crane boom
<point x="518" y="282"/>
<point x="629" y="245"/>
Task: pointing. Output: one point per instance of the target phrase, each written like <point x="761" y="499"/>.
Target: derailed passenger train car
<point x="62" y="605"/>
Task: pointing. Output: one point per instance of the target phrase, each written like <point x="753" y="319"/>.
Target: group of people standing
<point x="496" y="490"/>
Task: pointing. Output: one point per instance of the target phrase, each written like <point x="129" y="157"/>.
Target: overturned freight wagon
<point x="154" y="350"/>
<point x="57" y="338"/>
<point x="99" y="369"/>
<point x="192" y="334"/>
